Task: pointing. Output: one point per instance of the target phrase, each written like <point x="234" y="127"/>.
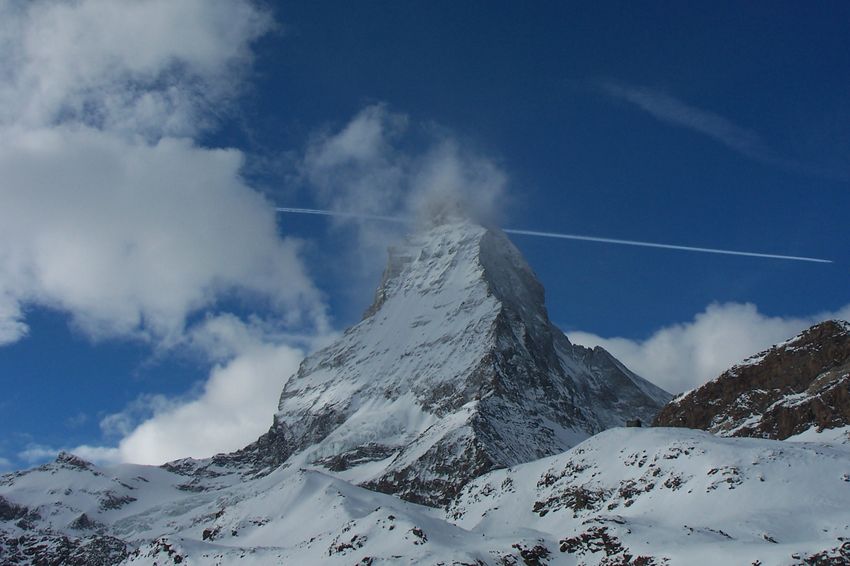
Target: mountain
<point x="454" y="370"/>
<point x="795" y="386"/>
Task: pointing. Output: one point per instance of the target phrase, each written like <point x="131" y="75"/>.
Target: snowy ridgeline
<point x="675" y="495"/>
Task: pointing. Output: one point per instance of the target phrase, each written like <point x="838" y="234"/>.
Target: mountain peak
<point x="832" y="326"/>
<point x="785" y="390"/>
<point x="451" y="258"/>
<point x="453" y="371"/>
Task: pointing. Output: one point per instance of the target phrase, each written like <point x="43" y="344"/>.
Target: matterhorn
<point x="454" y="370"/>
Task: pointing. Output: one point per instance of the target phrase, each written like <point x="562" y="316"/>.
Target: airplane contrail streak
<point x="340" y="214"/>
<point x="662" y="246"/>
<point x="558" y="235"/>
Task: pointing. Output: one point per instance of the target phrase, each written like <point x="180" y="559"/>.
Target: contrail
<point x="519" y="232"/>
<point x="662" y="246"/>
<point x="397" y="219"/>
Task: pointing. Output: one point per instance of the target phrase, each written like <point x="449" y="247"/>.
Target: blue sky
<point x="528" y="87"/>
<point x="145" y="281"/>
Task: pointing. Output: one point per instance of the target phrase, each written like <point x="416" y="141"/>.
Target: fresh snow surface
<point x="676" y="495"/>
<point x="287" y="517"/>
<point x="838" y="436"/>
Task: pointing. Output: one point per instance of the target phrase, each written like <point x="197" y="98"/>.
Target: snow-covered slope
<point x="673" y="494"/>
<point x="799" y="384"/>
<point x="455" y="370"/>
<point x="72" y="512"/>
<point x="625" y="496"/>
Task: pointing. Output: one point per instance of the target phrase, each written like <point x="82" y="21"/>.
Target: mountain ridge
<point x="801" y="383"/>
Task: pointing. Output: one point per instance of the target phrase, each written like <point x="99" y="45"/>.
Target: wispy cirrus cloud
<point x="744" y="141"/>
<point x="674" y="111"/>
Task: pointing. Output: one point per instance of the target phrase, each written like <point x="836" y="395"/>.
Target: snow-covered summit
<point x="454" y="370"/>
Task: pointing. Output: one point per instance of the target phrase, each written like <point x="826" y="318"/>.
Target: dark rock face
<point x="360" y="455"/>
<point x="781" y="392"/>
<point x="10" y="511"/>
<point x="436" y="477"/>
<point x="55" y="548"/>
<point x="67" y="460"/>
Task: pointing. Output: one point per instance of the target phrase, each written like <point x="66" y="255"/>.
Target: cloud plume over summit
<point x="385" y="163"/>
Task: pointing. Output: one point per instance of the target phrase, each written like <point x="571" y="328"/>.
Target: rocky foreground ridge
<point x="783" y="391"/>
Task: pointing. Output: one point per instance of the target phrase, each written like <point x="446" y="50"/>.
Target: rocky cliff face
<point x="454" y="370"/>
<point x="783" y="391"/>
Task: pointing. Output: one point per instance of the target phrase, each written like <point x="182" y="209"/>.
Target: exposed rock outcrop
<point x="783" y="391"/>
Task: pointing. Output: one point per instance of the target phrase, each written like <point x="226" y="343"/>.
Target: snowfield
<point x="624" y="496"/>
<point x="682" y="495"/>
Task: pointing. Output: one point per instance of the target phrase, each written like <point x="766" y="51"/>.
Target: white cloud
<point x="154" y="66"/>
<point x="683" y="356"/>
<point x="106" y="215"/>
<point x="35" y="453"/>
<point x="12" y="326"/>
<point x="374" y="165"/>
<point x="357" y="169"/>
<point x="97" y="454"/>
<point x="236" y="407"/>
<point x="113" y="213"/>
<point x="132" y="238"/>
<point x="448" y="181"/>
<point x="231" y="409"/>
<point x="121" y="424"/>
<point x="40" y="453"/>
<point x="384" y="163"/>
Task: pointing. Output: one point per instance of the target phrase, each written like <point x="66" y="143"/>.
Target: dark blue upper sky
<point x="522" y="82"/>
<point x="754" y="155"/>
